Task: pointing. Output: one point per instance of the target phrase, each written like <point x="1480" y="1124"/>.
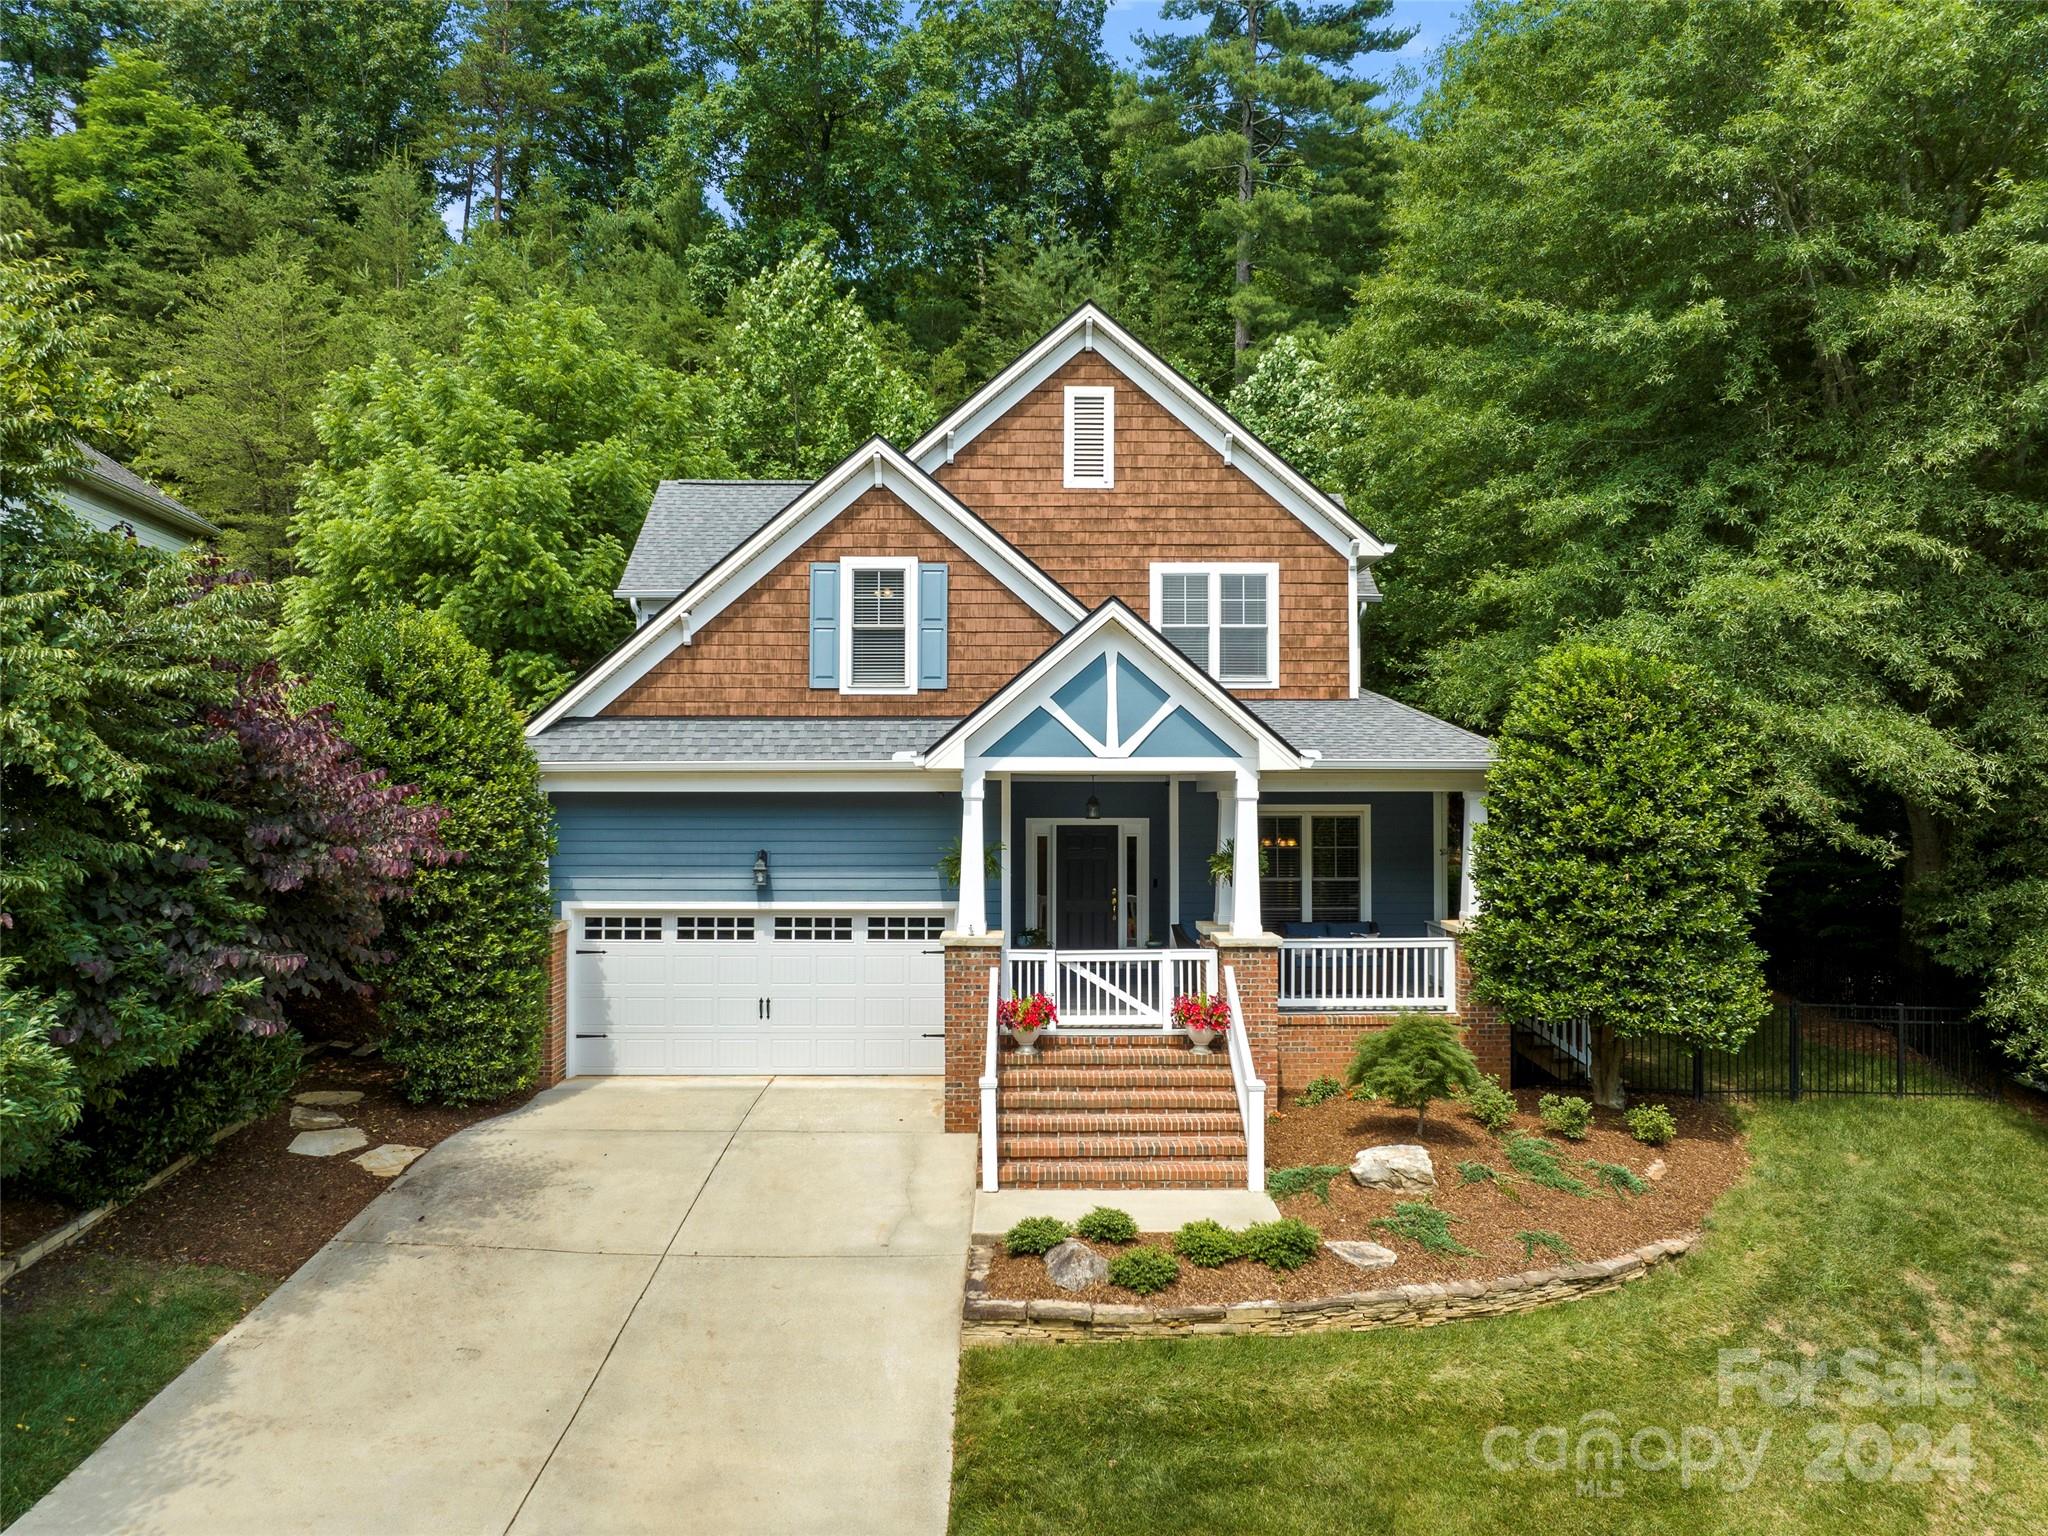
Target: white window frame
<point x="906" y="567"/>
<point x="1362" y="814"/>
<point x="1106" y="393"/>
<point x="1214" y="571"/>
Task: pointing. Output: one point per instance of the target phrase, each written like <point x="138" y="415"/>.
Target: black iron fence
<point x="1895" y="1049"/>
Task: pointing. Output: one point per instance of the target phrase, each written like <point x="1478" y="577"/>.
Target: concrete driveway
<point x="633" y="1305"/>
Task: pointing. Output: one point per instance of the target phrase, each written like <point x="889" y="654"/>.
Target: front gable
<point x="753" y="658"/>
<point x="1174" y="498"/>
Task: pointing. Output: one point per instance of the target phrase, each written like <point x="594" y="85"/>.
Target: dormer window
<point x="1091" y="437"/>
<point x="879" y="599"/>
<point x="1223" y="618"/>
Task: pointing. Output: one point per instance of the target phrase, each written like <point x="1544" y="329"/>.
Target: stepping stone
<point x="387" y="1161"/>
<point x="1656" y="1170"/>
<point x="371" y="1049"/>
<point x="306" y="1118"/>
<point x="328" y="1143"/>
<point x="1363" y="1255"/>
<point x="329" y="1096"/>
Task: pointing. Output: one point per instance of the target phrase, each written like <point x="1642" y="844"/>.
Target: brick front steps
<point x="1119" y="1111"/>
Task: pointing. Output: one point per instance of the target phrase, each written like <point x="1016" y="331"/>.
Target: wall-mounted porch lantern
<point x="761" y="869"/>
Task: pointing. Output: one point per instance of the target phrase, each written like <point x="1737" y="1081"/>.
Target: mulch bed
<point x="1701" y="1162"/>
<point x="249" y="1204"/>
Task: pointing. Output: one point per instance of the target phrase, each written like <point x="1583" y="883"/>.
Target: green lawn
<point x="77" y="1362"/>
<point x="1867" y="1224"/>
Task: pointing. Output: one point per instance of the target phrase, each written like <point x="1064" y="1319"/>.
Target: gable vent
<point x="1091" y="436"/>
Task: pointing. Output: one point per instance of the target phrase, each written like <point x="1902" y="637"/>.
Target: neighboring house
<point x="1082" y="636"/>
<point x="110" y="496"/>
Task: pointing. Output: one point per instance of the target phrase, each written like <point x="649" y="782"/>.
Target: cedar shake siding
<point x="1174" y="500"/>
<point x="754" y="658"/>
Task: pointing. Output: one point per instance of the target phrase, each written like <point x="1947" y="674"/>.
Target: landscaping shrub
<point x="1568" y="1115"/>
<point x="1284" y="1244"/>
<point x="1206" y="1244"/>
<point x="39" y="1097"/>
<point x="1412" y="1062"/>
<point x="1475" y="1172"/>
<point x="1614" y="1176"/>
<point x="167" y="1111"/>
<point x="1319" y="1090"/>
<point x="1106" y="1224"/>
<point x="1035" y="1234"/>
<point x="1144" y="1270"/>
<point x="1491" y="1105"/>
<point x="1531" y="1241"/>
<point x="1282" y="1182"/>
<point x="1537" y="1161"/>
<point x="1423" y="1224"/>
<point x="464" y="1005"/>
<point x="1651" y="1124"/>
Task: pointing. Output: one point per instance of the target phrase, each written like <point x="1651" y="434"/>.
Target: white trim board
<point x="1088" y="329"/>
<point x="874" y="464"/>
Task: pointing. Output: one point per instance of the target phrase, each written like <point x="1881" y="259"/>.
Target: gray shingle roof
<point x="693" y="524"/>
<point x="630" y="739"/>
<point x="119" y="477"/>
<point x="1371" y="728"/>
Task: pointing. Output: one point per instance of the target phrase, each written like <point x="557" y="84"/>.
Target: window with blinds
<point x="1313" y="867"/>
<point x="1222" y="618"/>
<point x="878" y="617"/>
<point x="1091" y="436"/>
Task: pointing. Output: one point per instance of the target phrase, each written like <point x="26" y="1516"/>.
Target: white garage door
<point x="741" y="993"/>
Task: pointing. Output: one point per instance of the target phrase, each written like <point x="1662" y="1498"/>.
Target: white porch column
<point x="1226" y="818"/>
<point x="1245" y="920"/>
<point x="1468" y="889"/>
<point x="973" y="915"/>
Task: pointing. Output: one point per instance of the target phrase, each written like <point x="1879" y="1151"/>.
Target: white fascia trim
<point x="1089" y="329"/>
<point x="739" y="778"/>
<point x="1053" y="669"/>
<point x="743" y="908"/>
<point x="875" y="464"/>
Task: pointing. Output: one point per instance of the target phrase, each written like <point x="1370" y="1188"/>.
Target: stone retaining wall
<point x="988" y="1320"/>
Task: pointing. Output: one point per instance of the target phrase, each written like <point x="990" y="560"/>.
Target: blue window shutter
<point x="825" y="626"/>
<point x="931" y="626"/>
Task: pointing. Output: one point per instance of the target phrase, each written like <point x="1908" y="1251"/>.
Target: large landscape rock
<point x="329" y="1096"/>
<point x="1074" y="1266"/>
<point x="328" y="1143"/>
<point x="1400" y="1167"/>
<point x="1362" y="1255"/>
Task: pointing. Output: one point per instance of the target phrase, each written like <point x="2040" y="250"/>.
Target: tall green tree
<point x="47" y="48"/>
<point x="1721" y="330"/>
<point x="802" y="380"/>
<point x="499" y="488"/>
<point x="1266" y="107"/>
<point x="235" y="434"/>
<point x="1621" y="860"/>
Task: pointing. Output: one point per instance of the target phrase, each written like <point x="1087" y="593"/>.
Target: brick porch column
<point x="1256" y="961"/>
<point x="969" y="959"/>
<point x="1486" y="1032"/>
<point x="554" y="1050"/>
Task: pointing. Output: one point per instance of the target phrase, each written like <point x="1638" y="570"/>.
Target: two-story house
<point x="990" y="713"/>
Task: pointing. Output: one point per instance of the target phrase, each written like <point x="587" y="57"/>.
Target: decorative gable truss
<point x="875" y="464"/>
<point x="1113" y="695"/>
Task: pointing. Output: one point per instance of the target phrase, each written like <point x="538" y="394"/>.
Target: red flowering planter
<point x="1026" y="1018"/>
<point x="1204" y="1018"/>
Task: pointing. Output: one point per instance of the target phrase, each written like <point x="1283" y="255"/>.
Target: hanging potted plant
<point x="1203" y="1017"/>
<point x="1026" y="1018"/>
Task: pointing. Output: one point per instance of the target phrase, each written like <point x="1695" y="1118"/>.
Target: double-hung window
<point x="1223" y="618"/>
<point x="878" y="645"/>
<point x="1314" y="867"/>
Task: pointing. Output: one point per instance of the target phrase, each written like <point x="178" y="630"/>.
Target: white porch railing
<point x="988" y="1089"/>
<point x="1251" y="1091"/>
<point x="1362" y="975"/>
<point x="1111" y="988"/>
<point x="1574" y="1040"/>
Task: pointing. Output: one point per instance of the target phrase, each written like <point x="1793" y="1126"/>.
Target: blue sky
<point x="1433" y="20"/>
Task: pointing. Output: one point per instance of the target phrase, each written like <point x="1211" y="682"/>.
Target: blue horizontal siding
<point x="1403" y="854"/>
<point x="1197" y="842"/>
<point x="821" y="848"/>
